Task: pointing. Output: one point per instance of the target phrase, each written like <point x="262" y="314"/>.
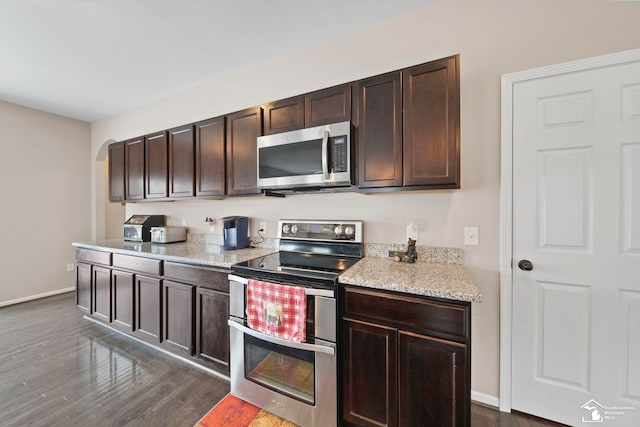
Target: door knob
<point x="525" y="265"/>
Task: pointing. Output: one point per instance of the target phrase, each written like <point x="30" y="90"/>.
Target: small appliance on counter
<point x="168" y="234"/>
<point x="138" y="227"/>
<point x="234" y="229"/>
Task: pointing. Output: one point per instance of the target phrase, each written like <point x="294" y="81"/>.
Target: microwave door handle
<point x="325" y="155"/>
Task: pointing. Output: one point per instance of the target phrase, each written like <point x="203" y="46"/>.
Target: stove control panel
<point x="349" y="231"/>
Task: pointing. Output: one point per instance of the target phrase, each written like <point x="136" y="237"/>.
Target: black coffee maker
<point x="234" y="231"/>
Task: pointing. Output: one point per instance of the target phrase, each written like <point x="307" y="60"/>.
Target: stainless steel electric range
<point x="295" y="380"/>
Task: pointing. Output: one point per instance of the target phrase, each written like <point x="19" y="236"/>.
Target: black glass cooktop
<point x="293" y="266"/>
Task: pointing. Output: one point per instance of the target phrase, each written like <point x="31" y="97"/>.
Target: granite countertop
<point x="184" y="252"/>
<point x="441" y="280"/>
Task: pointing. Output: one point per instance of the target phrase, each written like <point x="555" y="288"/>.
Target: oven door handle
<point x="308" y="291"/>
<point x="286" y="343"/>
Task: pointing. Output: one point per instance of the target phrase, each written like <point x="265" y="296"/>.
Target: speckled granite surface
<point x="432" y="279"/>
<point x="186" y="252"/>
<point x="425" y="253"/>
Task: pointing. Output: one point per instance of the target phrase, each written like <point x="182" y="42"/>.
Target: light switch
<point x="471" y="237"/>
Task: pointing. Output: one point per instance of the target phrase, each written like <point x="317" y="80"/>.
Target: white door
<point x="576" y="218"/>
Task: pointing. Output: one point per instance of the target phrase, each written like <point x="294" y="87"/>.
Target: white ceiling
<point x="92" y="59"/>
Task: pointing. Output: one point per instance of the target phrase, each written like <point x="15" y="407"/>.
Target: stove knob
<point x="348" y="230"/>
<point x="339" y="229"/>
<point x="294" y="229"/>
<point x="285" y="228"/>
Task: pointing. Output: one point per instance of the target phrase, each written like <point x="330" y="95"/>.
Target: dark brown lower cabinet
<point x="182" y="308"/>
<point x="123" y="289"/>
<point x="431" y="382"/>
<point x="83" y="286"/>
<point x="406" y="359"/>
<point x="178" y="317"/>
<point x="212" y="332"/>
<point x="101" y="291"/>
<point x="370" y="382"/>
<point x="148" y="309"/>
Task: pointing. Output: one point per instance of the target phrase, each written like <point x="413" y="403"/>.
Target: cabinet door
<point x="178" y="317"/>
<point x="181" y="162"/>
<point x="148" y="308"/>
<point x="243" y="128"/>
<point x="83" y="286"/>
<point x="380" y="131"/>
<point x="328" y="106"/>
<point x="369" y="375"/>
<point x="210" y="157"/>
<point x="433" y="382"/>
<point x="116" y="172"/>
<point x="212" y="332"/>
<point x="284" y="115"/>
<point x="134" y="169"/>
<point x="156" y="166"/>
<point x="431" y="136"/>
<point x="101" y="291"/>
<point x="123" y="298"/>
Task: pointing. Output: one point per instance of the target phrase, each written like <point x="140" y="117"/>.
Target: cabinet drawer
<point x="200" y="276"/>
<point x="93" y="257"/>
<point x="139" y="264"/>
<point x="412" y="313"/>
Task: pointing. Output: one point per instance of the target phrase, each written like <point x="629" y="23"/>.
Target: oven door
<point x="296" y="381"/>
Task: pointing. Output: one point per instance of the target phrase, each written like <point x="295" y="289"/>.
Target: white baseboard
<point x="38" y="296"/>
<point x="485" y="399"/>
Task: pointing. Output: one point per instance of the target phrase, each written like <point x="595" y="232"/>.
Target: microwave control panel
<point x="338" y="150"/>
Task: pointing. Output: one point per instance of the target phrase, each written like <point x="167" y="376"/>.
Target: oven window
<point x="285" y="370"/>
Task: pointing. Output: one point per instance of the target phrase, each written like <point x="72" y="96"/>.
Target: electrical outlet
<point x="412" y="231"/>
<point x="184" y="222"/>
<point x="71" y="267"/>
<point x="471" y="237"/>
<point x="263" y="226"/>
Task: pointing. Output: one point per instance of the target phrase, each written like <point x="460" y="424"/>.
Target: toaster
<point x="168" y="234"/>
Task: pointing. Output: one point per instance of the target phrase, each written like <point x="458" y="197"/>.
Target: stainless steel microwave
<point x="312" y="157"/>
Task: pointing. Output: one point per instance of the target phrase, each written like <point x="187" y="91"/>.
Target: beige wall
<point x="45" y="176"/>
<point x="494" y="37"/>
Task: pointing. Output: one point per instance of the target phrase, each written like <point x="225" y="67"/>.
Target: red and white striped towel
<point x="277" y="310"/>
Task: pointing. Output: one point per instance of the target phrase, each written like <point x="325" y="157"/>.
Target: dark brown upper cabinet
<point x="329" y="105"/>
<point x="116" y="172"/>
<point x="134" y="169"/>
<point x="380" y="131"/>
<point x="156" y="166"/>
<point x="406" y="132"/>
<point x="284" y="115"/>
<point x="181" y="162"/>
<point x="243" y="129"/>
<point x="431" y="124"/>
<point x="210" y="157"/>
<point x="409" y="128"/>
<point x="325" y="106"/>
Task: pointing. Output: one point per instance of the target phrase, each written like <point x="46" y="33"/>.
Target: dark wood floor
<point x="59" y="369"/>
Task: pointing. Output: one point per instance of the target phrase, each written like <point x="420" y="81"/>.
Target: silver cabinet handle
<point x="286" y="343"/>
